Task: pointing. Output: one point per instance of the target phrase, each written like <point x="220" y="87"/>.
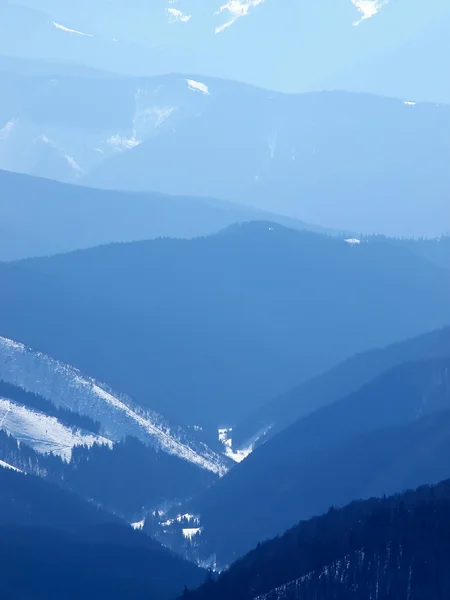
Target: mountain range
<point x="391" y="434"/>
<point x="224" y="307"/>
<point x="240" y="316"/>
<point x="311" y="156"/>
<point x="372" y="41"/>
<point x="375" y="548"/>
<point x="40" y="217"/>
<point x="342" y="380"/>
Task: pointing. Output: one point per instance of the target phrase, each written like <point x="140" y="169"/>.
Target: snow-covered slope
<point x="57" y="127"/>
<point x="66" y="387"/>
<point x="43" y="433"/>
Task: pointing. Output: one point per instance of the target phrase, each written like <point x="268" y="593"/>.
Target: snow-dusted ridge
<point x="5" y="465"/>
<point x="119" y="417"/>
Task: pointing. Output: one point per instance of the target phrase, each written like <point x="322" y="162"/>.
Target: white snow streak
<point x="197" y="86"/>
<point x="7" y="129"/>
<point x="73" y="163"/>
<point x="368" y="8"/>
<point x="69" y="159"/>
<point x="166" y="441"/>
<point x="236" y="9"/>
<point x="68" y="30"/>
<point x="5" y="465"/>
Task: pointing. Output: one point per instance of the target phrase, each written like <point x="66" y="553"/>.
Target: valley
<point x="224" y="300"/>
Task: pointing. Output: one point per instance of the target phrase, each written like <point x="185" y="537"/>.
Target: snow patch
<point x="409" y="103"/>
<point x="195" y="520"/>
<point x="368" y="8"/>
<point x="176" y="16"/>
<point x="43" y="433"/>
<point x="139" y="525"/>
<point x="119" y="142"/>
<point x="6" y="130"/>
<point x="46" y="140"/>
<point x="197" y="86"/>
<point x="188" y="517"/>
<point x="353" y="241"/>
<point x="69" y="159"/>
<point x="235" y="455"/>
<point x="190" y="532"/>
<point x="73" y="163"/>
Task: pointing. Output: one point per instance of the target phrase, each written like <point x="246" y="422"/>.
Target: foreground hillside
<point x="394" y="547"/>
<point x="73" y="432"/>
<point x="53" y="545"/>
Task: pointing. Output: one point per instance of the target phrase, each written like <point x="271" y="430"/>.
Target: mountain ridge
<point x="66" y="387"/>
<point x="252" y="295"/>
<point x="331" y="456"/>
<point x="72" y="217"/>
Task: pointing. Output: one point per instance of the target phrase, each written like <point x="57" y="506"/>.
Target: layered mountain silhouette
<point x="240" y="316"/>
<point x="352" y="162"/>
<point x="290" y="41"/>
<point x="355" y="162"/>
<point x="40" y="217"/>
<point x="343" y="379"/>
<point x="391" y="434"/>
<point x="379" y="547"/>
<point x="224" y="300"/>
